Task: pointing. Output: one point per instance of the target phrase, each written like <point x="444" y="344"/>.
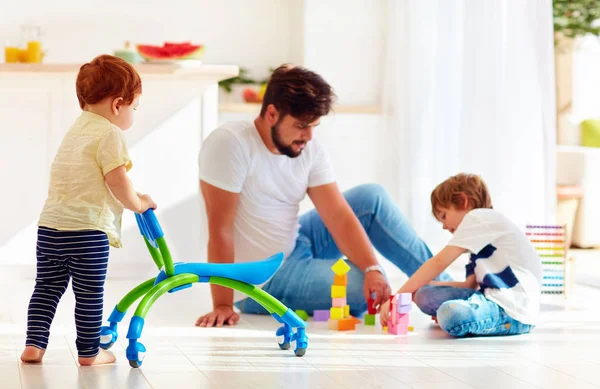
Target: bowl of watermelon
<point x="170" y="52"/>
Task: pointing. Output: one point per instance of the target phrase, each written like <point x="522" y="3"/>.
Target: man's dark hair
<point x="298" y="92"/>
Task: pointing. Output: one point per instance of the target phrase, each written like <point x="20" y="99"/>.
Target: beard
<point x="285" y="149"/>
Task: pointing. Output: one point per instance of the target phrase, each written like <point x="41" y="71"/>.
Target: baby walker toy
<point x="173" y="277"/>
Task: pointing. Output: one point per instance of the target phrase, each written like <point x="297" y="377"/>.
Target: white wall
<point x="251" y="34"/>
<point x="344" y="42"/>
<point x="586" y="78"/>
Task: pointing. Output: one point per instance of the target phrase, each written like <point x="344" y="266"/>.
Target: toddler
<point x="81" y="217"/>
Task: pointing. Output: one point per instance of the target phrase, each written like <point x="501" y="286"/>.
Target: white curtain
<point x="468" y="86"/>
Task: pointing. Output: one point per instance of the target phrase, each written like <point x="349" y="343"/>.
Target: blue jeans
<point x="304" y="280"/>
<point x="466" y="312"/>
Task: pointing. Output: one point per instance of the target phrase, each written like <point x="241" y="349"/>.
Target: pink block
<point x="401" y="319"/>
<point x="321" y="314"/>
<point x="397" y="329"/>
<point x="338" y="302"/>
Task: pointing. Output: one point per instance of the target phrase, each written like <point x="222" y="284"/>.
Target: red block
<point x="371" y="309"/>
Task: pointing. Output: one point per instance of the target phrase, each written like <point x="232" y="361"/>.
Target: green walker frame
<point x="173" y="277"/>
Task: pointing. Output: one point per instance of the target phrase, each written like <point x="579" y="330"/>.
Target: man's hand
<point x="376" y="283"/>
<point x="223" y="314"/>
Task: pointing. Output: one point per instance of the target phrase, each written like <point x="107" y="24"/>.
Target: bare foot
<point x="103" y="357"/>
<point x="32" y="354"/>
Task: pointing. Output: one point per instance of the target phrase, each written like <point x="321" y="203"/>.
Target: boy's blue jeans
<point x="466" y="312"/>
<point x="304" y="280"/>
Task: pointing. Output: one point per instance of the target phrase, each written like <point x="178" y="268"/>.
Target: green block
<point x="369" y="319"/>
<point x="303" y="315"/>
<point x="590" y="133"/>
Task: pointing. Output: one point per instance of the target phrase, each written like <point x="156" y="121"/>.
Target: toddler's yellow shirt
<point x="78" y="197"/>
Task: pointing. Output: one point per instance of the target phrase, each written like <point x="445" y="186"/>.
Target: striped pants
<point x="62" y="255"/>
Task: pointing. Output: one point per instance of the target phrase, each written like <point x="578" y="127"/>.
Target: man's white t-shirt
<point x="235" y="159"/>
<point x="506" y="265"/>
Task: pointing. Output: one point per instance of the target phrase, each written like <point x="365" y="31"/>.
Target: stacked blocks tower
<point x="339" y="314"/>
<point x="400" y="307"/>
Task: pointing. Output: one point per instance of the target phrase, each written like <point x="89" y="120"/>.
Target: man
<point x="253" y="176"/>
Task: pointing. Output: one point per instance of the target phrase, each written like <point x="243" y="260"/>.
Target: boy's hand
<point x="147" y="203"/>
<point x="384" y="313"/>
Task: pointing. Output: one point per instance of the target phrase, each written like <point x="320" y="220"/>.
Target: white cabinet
<point x="178" y="108"/>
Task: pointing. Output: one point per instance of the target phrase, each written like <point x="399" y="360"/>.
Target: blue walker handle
<point x="149" y="226"/>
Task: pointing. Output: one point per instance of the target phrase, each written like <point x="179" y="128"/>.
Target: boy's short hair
<point x="449" y="193"/>
<point x="107" y="76"/>
<point x="298" y="92"/>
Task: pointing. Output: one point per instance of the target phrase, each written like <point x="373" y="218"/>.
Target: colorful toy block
<point x="404" y="308"/>
<point x="321" y="314"/>
<point x="336" y="313"/>
<point x="339" y="302"/>
<point x="369" y="319"/>
<point x="346" y="310"/>
<point x="401" y="319"/>
<point x="338" y="291"/>
<point x="370" y="308"/>
<point x="346" y="324"/>
<point x="302" y="313"/>
<point x="397" y="329"/>
<point x="340" y="267"/>
<point x="400" y="306"/>
<point x="411" y="328"/>
<point x="340" y="280"/>
<point x="404" y="298"/>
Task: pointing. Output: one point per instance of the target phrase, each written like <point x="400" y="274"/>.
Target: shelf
<point x="342" y="108"/>
<point x="177" y="71"/>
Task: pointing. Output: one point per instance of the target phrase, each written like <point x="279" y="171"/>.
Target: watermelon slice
<point x="170" y="51"/>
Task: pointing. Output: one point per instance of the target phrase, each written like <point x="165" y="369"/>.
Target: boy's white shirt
<point x="507" y="269"/>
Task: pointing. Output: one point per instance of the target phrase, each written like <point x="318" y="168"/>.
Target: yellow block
<point x="338" y="291"/>
<point x="347" y="311"/>
<point x="411" y="328"/>
<point x="340" y="267"/>
<point x="336" y="313"/>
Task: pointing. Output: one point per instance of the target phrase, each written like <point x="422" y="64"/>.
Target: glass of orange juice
<point x="11" y="51"/>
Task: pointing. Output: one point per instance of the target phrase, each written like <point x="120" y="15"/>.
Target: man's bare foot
<point x="103" y="357"/>
<point x="32" y="354"/>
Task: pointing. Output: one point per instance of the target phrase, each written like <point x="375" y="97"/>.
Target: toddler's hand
<point x="384" y="313"/>
<point x="147" y="203"/>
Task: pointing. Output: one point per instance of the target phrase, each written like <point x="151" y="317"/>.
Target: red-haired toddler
<point x="81" y="218"/>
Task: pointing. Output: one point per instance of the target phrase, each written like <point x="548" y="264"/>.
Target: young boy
<point x="501" y="294"/>
<point x="88" y="190"/>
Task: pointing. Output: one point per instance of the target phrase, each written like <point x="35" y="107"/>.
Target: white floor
<point x="562" y="352"/>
